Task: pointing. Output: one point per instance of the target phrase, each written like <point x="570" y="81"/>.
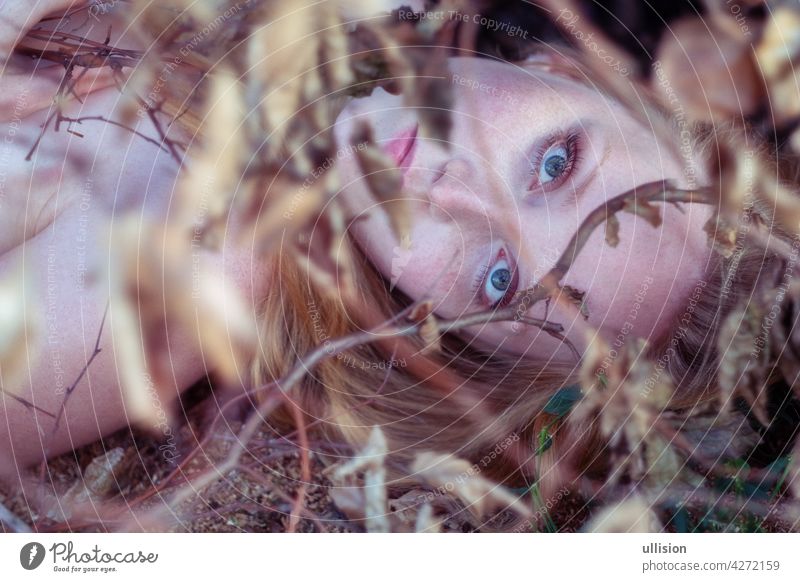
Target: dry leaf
<point x="777" y="54"/>
<point x="612" y="230"/>
<point x="460" y="478"/>
<point x="349" y="500"/>
<point x="100" y="478"/>
<point x="624" y="405"/>
<point x="384" y="179"/>
<point x="154" y="288"/>
<point x="429" y="330"/>
<point x="431" y="335"/>
<point x="370" y="461"/>
<point x="721" y="236"/>
<point x="18" y="328"/>
<point x="710" y="70"/>
<point x="744" y="366"/>
<point x="208" y="184"/>
<point x="421" y="311"/>
<point x="280" y="57"/>
<point x="576" y="298"/>
<point x="631" y="516"/>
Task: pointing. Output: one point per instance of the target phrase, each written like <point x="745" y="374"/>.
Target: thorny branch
<point x="73" y="52"/>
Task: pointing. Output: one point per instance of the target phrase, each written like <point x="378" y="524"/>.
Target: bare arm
<point x="57" y="222"/>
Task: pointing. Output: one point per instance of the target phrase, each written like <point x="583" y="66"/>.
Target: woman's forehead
<point x="532" y="90"/>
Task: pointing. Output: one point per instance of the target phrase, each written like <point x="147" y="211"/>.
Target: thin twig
<point x="305" y="467"/>
<point x="100" y="55"/>
<point x="26" y="403"/>
<point x="71" y="388"/>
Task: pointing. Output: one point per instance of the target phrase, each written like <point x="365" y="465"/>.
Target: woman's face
<point x="530" y="155"/>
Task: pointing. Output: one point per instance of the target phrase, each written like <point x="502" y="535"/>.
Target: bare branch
<point x="71" y="388"/>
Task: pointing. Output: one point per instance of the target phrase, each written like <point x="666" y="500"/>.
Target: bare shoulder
<point x="71" y="189"/>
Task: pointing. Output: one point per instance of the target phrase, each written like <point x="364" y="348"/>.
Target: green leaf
<point x="545" y="441"/>
<point x="563" y="400"/>
<point x="782" y="466"/>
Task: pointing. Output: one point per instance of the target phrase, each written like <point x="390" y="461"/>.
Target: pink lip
<point x="401" y="148"/>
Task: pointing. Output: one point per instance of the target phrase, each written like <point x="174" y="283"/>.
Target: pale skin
<point x="57" y="215"/>
<point x="468" y="203"/>
<point x="488" y="206"/>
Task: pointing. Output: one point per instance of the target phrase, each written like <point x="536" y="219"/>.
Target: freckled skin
<point x="471" y="201"/>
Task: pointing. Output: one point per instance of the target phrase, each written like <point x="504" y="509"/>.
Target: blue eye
<point x="554" y="164"/>
<point x="498" y="282"/>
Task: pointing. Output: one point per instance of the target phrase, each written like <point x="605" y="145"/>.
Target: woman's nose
<point x="456" y="192"/>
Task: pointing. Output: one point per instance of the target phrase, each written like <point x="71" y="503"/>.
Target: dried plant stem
<point x="305" y="467"/>
<point x="71" y="388"/>
<point x="26" y="403"/>
<point x="73" y="53"/>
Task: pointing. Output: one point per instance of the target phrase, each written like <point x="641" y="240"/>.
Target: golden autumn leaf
<point x="384" y="180"/>
<point x="207" y="185"/>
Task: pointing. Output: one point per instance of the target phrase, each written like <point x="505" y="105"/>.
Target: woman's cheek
<point x="609" y="277"/>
